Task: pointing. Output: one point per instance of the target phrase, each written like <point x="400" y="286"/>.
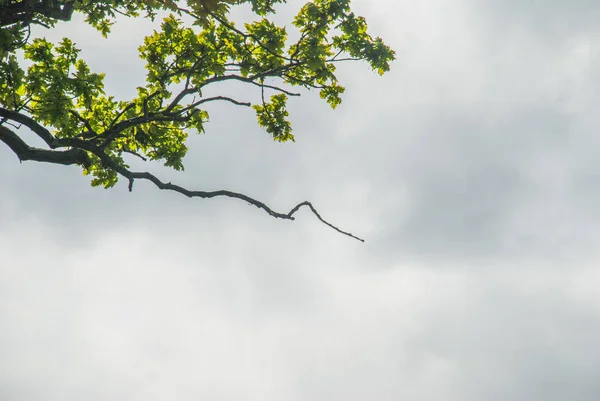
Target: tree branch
<point x="133" y="175"/>
<point x="114" y="132"/>
<point x="25" y="152"/>
<point x="85" y="122"/>
<point x="131" y="152"/>
<point x="32" y="125"/>
<point x="212" y="99"/>
<point x="262" y="85"/>
<point x="188" y="91"/>
<point x="120" y="114"/>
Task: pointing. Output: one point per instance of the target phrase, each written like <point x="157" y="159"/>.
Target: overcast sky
<point x="472" y="170"/>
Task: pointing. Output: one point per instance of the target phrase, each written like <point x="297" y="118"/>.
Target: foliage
<point x="63" y="101"/>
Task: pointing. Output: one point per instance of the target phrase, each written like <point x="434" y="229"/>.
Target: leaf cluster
<point x="59" y="91"/>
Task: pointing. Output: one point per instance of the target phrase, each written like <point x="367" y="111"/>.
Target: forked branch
<point x="212" y="194"/>
<point x="25" y="152"/>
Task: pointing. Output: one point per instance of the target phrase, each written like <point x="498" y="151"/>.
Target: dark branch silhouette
<point x="79" y="154"/>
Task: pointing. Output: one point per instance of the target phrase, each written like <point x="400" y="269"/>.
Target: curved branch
<point x="25" y="152"/>
<point x="136" y="154"/>
<point x="85" y="122"/>
<point x="134" y="175"/>
<point x="212" y="99"/>
<point x="33" y="125"/>
<point x="306" y="203"/>
<point x="131" y="176"/>
<point x="262" y="85"/>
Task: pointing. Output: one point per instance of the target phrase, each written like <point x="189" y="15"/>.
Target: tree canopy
<point x="62" y="101"/>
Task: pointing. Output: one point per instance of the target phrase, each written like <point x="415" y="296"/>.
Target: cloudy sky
<point x="472" y="170"/>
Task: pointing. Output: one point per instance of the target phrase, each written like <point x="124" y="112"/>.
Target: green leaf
<point x="192" y="50"/>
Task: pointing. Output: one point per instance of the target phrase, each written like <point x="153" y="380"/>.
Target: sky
<point x="471" y="169"/>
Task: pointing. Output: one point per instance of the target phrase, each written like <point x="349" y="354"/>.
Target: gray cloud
<point x="471" y="169"/>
